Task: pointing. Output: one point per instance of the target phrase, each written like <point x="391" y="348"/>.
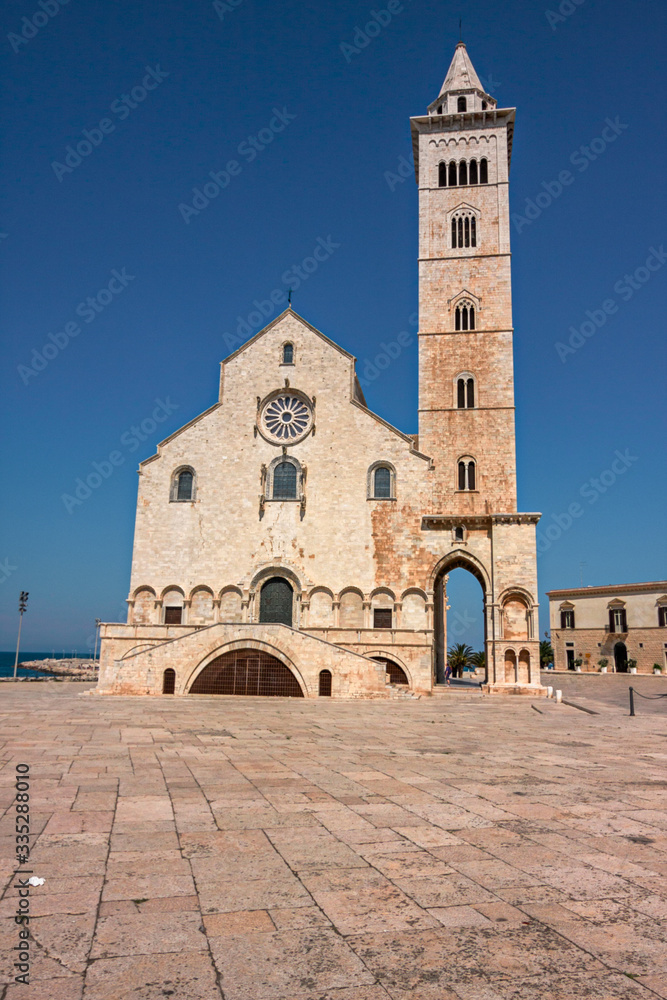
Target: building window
<point x="381" y="482"/>
<point x="442" y="175"/>
<point x="288" y="354"/>
<point x="284" y="481"/>
<point x="325" y="683"/>
<point x="463" y="172"/>
<point x="473" y="171"/>
<point x="173" y="616"/>
<point x="459" y="534"/>
<point x="483" y="105"/>
<point x="464" y="230"/>
<point x="183" y="485"/>
<point x="452" y="173"/>
<point x="382" y="618"/>
<point x="662" y="615"/>
<point x="483" y="172"/>
<point x="567" y="618"/>
<point x="465" y="393"/>
<point x="464" y="316"/>
<point x="461" y="104"/>
<point x="467" y="474"/>
<point x="169" y="681"/>
<point x="618" y="621"/>
<point x="570" y="658"/>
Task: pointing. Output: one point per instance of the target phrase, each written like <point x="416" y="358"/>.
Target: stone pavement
<point x="458" y="848"/>
<point x="611" y="691"/>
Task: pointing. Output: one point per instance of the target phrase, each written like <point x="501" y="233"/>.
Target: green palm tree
<point x="478" y="660"/>
<point x="546" y="653"/>
<point x="458" y="657"/>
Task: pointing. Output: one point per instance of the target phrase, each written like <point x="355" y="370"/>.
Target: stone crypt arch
<point x="449" y="629"/>
<point x="247" y="672"/>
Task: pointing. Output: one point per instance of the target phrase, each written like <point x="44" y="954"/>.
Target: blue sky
<point x="210" y="78"/>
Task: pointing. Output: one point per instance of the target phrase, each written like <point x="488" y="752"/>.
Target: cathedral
<point x="291" y="542"/>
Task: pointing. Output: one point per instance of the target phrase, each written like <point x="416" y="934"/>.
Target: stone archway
<point x="441" y="637"/>
<point x="247" y="672"/>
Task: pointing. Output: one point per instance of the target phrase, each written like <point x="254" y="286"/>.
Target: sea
<point x="7" y="663"/>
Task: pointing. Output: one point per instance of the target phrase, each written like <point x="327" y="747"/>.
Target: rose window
<point x="286" y="418"/>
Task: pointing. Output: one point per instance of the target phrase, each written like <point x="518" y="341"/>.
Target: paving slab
<point x="441" y="849"/>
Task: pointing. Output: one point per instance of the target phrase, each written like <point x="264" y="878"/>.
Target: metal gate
<point x="275" y="602"/>
<point x="247" y="672"/>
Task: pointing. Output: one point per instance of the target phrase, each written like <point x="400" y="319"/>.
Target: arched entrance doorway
<point x="459" y="617"/>
<point x="247" y="672"/>
<point x="621" y="658"/>
<point x="275" y="601"/>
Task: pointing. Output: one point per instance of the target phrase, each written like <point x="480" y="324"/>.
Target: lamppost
<point x="98" y="622"/>
<point x="23" y="603"/>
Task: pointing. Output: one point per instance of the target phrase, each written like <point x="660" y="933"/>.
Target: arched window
<point x="465" y="393"/>
<point x="183" y="485"/>
<point x="464" y="316"/>
<point x="382" y="483"/>
<point x="325" y="683"/>
<point x="169" y="681"/>
<point x="452" y="173"/>
<point x="442" y="175"/>
<point x="284" y="481"/>
<point x="463" y="172"/>
<point x="288" y="354"/>
<point x="483" y="105"/>
<point x="473" y="171"/>
<point x="464" y="230"/>
<point x="440" y="109"/>
<point x="483" y="172"/>
<point x="461" y="104"/>
<point x="459" y="534"/>
<point x="467" y="477"/>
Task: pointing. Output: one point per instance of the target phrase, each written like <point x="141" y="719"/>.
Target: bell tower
<point x="462" y="150"/>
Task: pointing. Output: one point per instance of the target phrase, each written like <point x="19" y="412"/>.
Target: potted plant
<point x="577" y="664"/>
<point x="603" y="664"/>
<point x="632" y="666"/>
<point x="657" y="669"/>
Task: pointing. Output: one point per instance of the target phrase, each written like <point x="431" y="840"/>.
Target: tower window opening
<point x="463" y="172"/>
<point x="442" y="175"/>
<point x="288" y="354"/>
<point x="440" y="109"/>
<point x="473" y="171"/>
<point x="466" y="474"/>
<point x="461" y="104"/>
<point x="470" y="393"/>
<point x="464" y="316"/>
<point x="452" y="173"/>
<point x="464" y="230"/>
<point x="483" y="105"/>
<point x="458" y="534"/>
<point x="461" y="394"/>
<point x="483" y="172"/>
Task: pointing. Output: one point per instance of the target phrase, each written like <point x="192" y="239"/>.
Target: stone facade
<point x="617" y="623"/>
<point x="290" y="515"/>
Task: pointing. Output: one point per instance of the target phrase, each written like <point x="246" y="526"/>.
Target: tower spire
<point x="461" y="85"/>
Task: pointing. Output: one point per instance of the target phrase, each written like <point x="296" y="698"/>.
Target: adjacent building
<point x="619" y="624"/>
<point x="289" y="541"/>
